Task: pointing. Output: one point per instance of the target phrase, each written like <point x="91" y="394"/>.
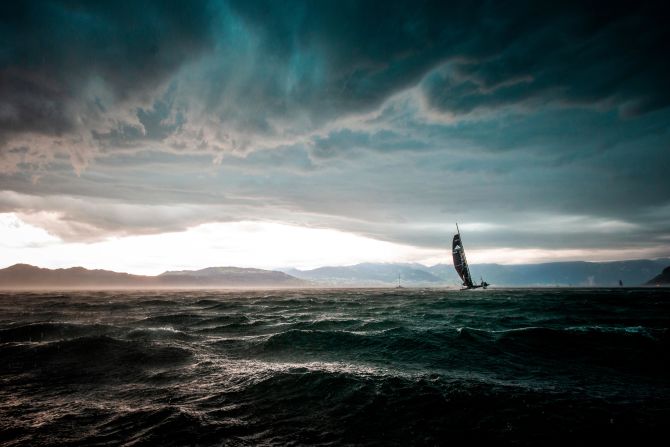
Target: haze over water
<point x="331" y="367"/>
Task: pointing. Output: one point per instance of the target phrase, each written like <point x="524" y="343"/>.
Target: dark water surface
<point x="352" y="367"/>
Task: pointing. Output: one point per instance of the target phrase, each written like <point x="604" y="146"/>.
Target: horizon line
<point x="282" y="269"/>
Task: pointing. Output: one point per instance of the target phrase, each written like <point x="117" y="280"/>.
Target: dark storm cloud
<point x="52" y="50"/>
<point x="499" y="53"/>
<point x="351" y="55"/>
<point x="574" y="53"/>
<point x="265" y="69"/>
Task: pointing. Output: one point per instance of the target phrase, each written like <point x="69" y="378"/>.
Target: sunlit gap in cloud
<point x="242" y="244"/>
<point x="257" y="244"/>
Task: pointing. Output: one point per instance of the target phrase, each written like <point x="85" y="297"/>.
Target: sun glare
<point x="242" y="244"/>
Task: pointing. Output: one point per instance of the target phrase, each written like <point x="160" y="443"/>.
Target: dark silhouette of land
<point x="550" y="274"/>
<point x="24" y="276"/>
<point x="579" y="274"/>
<point x="662" y="279"/>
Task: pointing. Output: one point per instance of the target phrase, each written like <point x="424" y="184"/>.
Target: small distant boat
<point x="399" y="286"/>
<point x="461" y="264"/>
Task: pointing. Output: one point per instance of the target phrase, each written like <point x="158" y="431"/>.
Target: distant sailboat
<point x="399" y="286"/>
<point x="461" y="263"/>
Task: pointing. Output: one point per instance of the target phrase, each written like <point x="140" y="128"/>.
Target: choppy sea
<point x="335" y="367"/>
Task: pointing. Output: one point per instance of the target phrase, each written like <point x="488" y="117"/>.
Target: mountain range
<point x="24" y="276"/>
<point x="596" y="274"/>
<point x="584" y="274"/>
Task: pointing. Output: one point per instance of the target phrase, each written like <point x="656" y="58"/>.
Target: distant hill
<point x="370" y="274"/>
<point x="28" y="276"/>
<point x="578" y="273"/>
<point x="24" y="276"/>
<point x="230" y="276"/>
<point x="663" y="279"/>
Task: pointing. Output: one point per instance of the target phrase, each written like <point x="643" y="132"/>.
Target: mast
<point x="465" y="259"/>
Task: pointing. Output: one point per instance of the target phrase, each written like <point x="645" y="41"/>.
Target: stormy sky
<point x="148" y="135"/>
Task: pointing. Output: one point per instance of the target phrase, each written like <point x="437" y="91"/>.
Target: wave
<point x="158" y="333"/>
<point x="208" y="302"/>
<point x="605" y="335"/>
<point x="176" y="319"/>
<point x="633" y="348"/>
<point x="158" y="302"/>
<point x="242" y="327"/>
<point x="221" y="320"/>
<point x="397" y="345"/>
<point x="92" y="356"/>
<point x="295" y="340"/>
<point x="541" y="333"/>
<point x="45" y="331"/>
<point x="636" y="349"/>
<point x="108" y="305"/>
<point x="327" y="324"/>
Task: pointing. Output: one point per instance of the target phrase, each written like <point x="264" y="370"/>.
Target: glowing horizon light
<point x="241" y="244"/>
<point x="16" y="233"/>
<point x="267" y="245"/>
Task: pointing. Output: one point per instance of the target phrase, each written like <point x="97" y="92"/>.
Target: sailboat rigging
<point x="461" y="263"/>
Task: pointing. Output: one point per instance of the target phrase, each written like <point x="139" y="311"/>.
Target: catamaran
<point x="461" y="264"/>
